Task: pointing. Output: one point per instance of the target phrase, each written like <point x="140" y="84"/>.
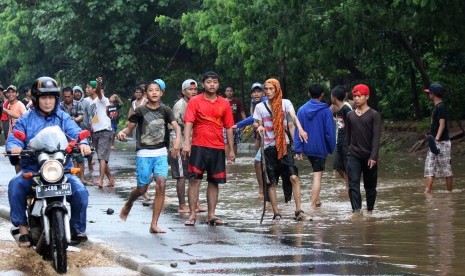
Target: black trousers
<point x="355" y="168"/>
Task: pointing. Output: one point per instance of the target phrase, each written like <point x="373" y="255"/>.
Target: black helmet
<point x="45" y="86"/>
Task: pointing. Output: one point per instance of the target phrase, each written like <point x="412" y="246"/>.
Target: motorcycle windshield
<point x="49" y="139"/>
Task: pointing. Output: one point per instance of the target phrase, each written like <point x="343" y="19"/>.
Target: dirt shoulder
<point x="409" y="137"/>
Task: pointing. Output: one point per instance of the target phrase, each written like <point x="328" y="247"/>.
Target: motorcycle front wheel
<point x="58" y="241"/>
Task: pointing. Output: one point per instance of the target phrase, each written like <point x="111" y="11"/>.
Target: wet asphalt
<point x="243" y="247"/>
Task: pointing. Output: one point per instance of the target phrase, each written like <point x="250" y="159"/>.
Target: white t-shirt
<point x="99" y="119"/>
<point x="262" y="114"/>
<point x="152" y="152"/>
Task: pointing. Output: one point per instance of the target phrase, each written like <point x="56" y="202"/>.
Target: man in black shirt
<point x="439" y="164"/>
<point x="363" y="134"/>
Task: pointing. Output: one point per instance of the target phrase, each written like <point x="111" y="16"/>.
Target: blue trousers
<point x="355" y="168"/>
<point x="19" y="188"/>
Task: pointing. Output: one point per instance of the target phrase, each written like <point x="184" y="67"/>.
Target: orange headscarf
<point x="278" y="118"/>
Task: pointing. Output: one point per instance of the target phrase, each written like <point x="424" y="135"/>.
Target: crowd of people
<point x="200" y="134"/>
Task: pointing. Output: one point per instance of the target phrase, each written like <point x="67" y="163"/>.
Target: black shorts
<point x="275" y="168"/>
<point x="207" y="159"/>
<point x="340" y="158"/>
<point x="318" y="163"/>
<point x="178" y="167"/>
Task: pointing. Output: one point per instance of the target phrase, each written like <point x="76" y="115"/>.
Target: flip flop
<point x="217" y="222"/>
<point x="432" y="145"/>
<point x="190" y="222"/>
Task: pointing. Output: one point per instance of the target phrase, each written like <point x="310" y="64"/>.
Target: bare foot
<point x="183" y="209"/>
<point x="98" y="183"/>
<point x="86" y="182"/>
<point x="200" y="209"/>
<point x="156" y="230"/>
<point x="356" y="215"/>
<point x="111" y="182"/>
<point x="123" y="214"/>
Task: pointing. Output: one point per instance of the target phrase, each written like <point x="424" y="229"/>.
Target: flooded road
<point x="425" y="234"/>
<point x="408" y="233"/>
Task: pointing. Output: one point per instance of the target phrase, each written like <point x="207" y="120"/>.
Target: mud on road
<point x="29" y="262"/>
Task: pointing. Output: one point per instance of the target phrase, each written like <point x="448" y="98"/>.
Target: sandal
<point x="277" y="217"/>
<point x="299" y="215"/>
<point x="24" y="241"/>
<point x="190" y="222"/>
<point x="216" y="222"/>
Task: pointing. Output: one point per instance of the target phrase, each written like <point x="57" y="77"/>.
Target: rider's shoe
<point x="78" y="238"/>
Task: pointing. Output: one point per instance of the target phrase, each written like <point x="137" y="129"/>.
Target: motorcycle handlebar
<point x="24" y="153"/>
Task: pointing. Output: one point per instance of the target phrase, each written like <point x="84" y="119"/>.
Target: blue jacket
<point x="32" y="122"/>
<point x="317" y="120"/>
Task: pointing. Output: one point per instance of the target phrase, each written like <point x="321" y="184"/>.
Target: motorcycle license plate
<point x="53" y="190"/>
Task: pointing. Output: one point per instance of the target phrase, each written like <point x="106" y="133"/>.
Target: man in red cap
<point x="438" y="160"/>
<point x="363" y="133"/>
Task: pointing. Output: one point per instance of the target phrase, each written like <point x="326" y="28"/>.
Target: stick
<point x="264" y="177"/>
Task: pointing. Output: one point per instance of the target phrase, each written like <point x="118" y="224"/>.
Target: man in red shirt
<point x="206" y="116"/>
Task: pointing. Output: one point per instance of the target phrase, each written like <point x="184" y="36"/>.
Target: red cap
<point x="360" y="89"/>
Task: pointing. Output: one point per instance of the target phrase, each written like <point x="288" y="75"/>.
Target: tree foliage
<point x="396" y="47"/>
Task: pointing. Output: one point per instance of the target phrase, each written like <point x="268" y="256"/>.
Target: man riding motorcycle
<point x="45" y="97"/>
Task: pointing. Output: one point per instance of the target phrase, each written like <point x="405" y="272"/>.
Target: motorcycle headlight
<point x="52" y="171"/>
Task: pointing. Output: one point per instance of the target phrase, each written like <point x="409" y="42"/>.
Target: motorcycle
<point x="48" y="212"/>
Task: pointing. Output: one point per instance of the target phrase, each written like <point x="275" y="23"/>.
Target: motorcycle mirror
<point x="83" y="134"/>
<point x="19" y="135"/>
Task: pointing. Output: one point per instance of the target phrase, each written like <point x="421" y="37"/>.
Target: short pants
<point x="102" y="143"/>
<point x="207" y="159"/>
<point x="275" y="167"/>
<point x="318" y="163"/>
<point x="439" y="165"/>
<point x="340" y="158"/>
<point x="179" y="167"/>
<point x="146" y="166"/>
<point x="236" y="135"/>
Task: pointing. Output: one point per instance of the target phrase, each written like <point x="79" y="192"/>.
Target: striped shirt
<point x="262" y="114"/>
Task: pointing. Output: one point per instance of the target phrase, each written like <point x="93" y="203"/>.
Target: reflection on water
<point x="440" y="230"/>
<point x="407" y="229"/>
